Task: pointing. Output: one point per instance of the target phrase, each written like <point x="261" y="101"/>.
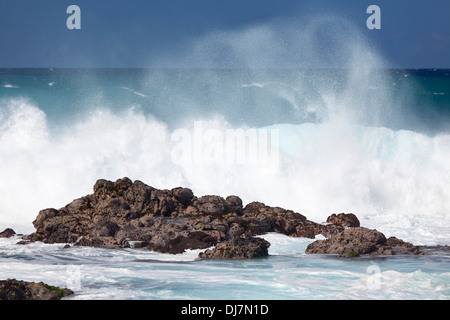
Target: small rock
<point x="7" y="233"/>
<point x="12" y="289"/>
<point x="23" y="242"/>
<point x="234" y="204"/>
<point x="361" y="241"/>
<point x="214" y="205"/>
<point x="184" y="195"/>
<point x="344" y="219"/>
<point x="237" y="248"/>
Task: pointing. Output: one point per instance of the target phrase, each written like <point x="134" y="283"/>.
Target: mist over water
<point x="351" y="134"/>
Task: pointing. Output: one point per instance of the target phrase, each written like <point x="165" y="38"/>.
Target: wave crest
<point x="381" y="175"/>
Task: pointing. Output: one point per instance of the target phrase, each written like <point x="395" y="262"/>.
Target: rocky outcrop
<point x="124" y="214"/>
<point x="12" y="289"/>
<point x="237" y="248"/>
<point x="358" y="241"/>
<point x="344" y="219"/>
<point x="7" y="233"/>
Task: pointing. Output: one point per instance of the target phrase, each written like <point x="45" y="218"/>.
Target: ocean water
<point x="366" y="140"/>
<point x="287" y="274"/>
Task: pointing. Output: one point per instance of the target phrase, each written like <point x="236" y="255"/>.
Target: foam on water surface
<point x="286" y="274"/>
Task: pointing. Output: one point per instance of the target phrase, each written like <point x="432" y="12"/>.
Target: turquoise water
<point x="415" y="100"/>
<point x="287" y="274"/>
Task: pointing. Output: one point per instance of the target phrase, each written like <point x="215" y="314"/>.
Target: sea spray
<point x="350" y="139"/>
<point x="381" y="175"/>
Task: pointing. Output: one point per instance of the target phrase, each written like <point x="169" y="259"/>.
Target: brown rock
<point x="123" y="212"/>
<point x="183" y="195"/>
<point x="237" y="248"/>
<point x="360" y="241"/>
<point x="7" y="233"/>
<point x="344" y="219"/>
<point x="12" y="289"/>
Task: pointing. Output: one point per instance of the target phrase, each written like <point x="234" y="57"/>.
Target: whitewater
<point x="329" y="157"/>
<point x="363" y="139"/>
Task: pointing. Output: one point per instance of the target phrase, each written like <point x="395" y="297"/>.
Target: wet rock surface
<point x="237" y="248"/>
<point x="124" y="213"/>
<point x="344" y="219"/>
<point x="12" y="289"/>
<point x="7" y="233"/>
<point x="357" y="241"/>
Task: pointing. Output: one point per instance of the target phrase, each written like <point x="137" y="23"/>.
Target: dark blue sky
<point x="153" y="33"/>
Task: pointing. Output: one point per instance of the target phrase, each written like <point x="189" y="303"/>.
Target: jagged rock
<point x="237" y="248"/>
<point x="23" y="242"/>
<point x="234" y="204"/>
<point x="7" y="233"/>
<point x="123" y="212"/>
<point x="358" y="241"/>
<point x="214" y="205"/>
<point x="344" y="219"/>
<point x="161" y="220"/>
<point x="12" y="289"/>
<point x="184" y="195"/>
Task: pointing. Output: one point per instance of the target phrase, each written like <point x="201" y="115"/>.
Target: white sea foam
<point x="138" y="274"/>
<point x="396" y="181"/>
<point x="135" y="92"/>
<point x="254" y="84"/>
<point x="281" y="244"/>
<point x="395" y="285"/>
